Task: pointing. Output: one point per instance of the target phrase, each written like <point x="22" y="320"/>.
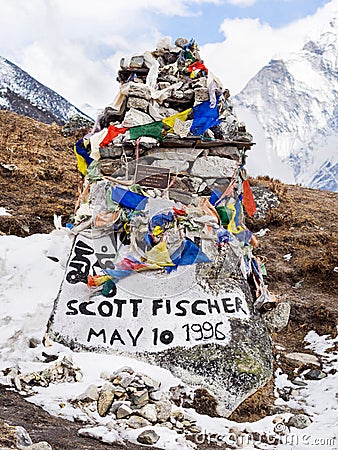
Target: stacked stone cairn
<point x="157" y="85"/>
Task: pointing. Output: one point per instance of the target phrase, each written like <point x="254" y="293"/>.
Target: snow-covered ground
<point x="29" y="283"/>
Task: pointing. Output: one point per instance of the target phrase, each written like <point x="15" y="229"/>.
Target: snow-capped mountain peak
<point x="291" y="107"/>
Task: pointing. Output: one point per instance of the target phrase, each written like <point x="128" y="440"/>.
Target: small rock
<point x="315" y="374"/>
<point x="148" y="412"/>
<point x="33" y="342"/>
<point x="302" y="359"/>
<point x="125" y="381"/>
<point x="139" y="398"/>
<point x="278" y="419"/>
<point x="195" y="429"/>
<point x="91" y="394"/>
<point x="148" y="437"/>
<point x="278" y="409"/>
<point x="179" y="425"/>
<point x="40" y="446"/>
<point x="115" y="406"/>
<point x="119" y="391"/>
<point x="156" y="395"/>
<point x="299" y="383"/>
<point x="152" y="384"/>
<point x="278" y="318"/>
<point x="168" y="425"/>
<point x="178" y="414"/>
<point x="299" y="421"/>
<point x="163" y="410"/>
<point x="123" y="411"/>
<point x="105" y="400"/>
<point x="22" y="437"/>
<point x="138" y="422"/>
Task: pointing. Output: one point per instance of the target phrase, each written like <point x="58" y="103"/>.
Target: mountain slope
<point x="21" y="93"/>
<point x="291" y="108"/>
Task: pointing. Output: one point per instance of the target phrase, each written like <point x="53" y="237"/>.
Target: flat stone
<point x="123" y="411"/>
<point x="228" y="151"/>
<point x="119" y="391"/>
<point x="134" y="117"/>
<point x="213" y="167"/>
<point x="116" y="405"/>
<point x="315" y="374"/>
<point x="138" y="103"/>
<point x="180" y="196"/>
<point x="299" y="421"/>
<point x="174" y="165"/>
<point x="148" y="412"/>
<point x="299" y="383"/>
<point x="138" y="422"/>
<point x="40" y="446"/>
<point x="302" y="359"/>
<point x="148" y="437"/>
<point x="139" y="90"/>
<point x="152" y="385"/>
<point x="126" y="380"/>
<point x="176" y="154"/>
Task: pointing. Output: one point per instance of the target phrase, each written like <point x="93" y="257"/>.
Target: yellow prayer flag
<point x="170" y="121"/>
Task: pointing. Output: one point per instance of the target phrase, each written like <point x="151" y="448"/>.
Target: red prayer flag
<point x="112" y="133"/>
<point x="248" y="199"/>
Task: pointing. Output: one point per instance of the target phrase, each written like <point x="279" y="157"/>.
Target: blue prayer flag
<point x="205" y="117"/>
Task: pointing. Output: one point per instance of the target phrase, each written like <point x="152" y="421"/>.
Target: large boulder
<point x="198" y="321"/>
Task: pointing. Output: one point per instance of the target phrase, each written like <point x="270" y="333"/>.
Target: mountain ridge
<point x="23" y="94"/>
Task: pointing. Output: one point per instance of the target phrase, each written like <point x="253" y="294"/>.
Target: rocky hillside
<point x="21" y="93"/>
<point x="38" y="174"/>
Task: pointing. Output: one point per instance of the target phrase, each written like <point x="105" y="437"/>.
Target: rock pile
<point x="134" y="400"/>
<point x="63" y="370"/>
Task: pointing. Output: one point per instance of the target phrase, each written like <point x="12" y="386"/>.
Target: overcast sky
<point x="74" y="46"/>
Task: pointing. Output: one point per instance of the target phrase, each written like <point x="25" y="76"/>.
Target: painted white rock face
<point x="147" y="312"/>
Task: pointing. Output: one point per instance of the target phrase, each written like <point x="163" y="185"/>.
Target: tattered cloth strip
<point x="82" y="156"/>
<point x="153" y="129"/>
<point x="248" y="199"/>
<point x="112" y="133"/>
<point x="205" y="117"/>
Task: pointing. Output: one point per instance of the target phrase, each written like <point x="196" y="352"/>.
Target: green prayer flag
<point x="153" y="129"/>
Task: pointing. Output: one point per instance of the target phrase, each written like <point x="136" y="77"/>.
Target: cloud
<point x="242" y="2"/>
<point x="74" y="47"/>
